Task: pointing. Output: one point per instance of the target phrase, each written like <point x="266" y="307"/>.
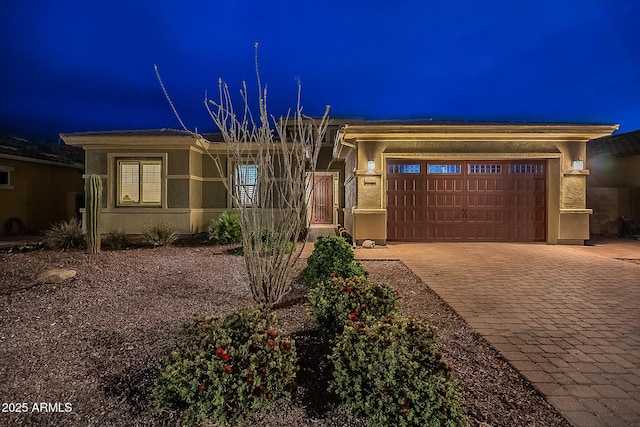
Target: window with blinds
<point x="139" y="182"/>
<point x="245" y="184"/>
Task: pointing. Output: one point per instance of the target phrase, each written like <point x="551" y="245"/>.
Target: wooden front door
<point x="452" y="201"/>
<point x="322" y="212"/>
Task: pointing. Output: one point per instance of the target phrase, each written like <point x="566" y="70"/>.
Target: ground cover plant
<point x="391" y="371"/>
<point x="100" y="341"/>
<point x="338" y="300"/>
<point x="226" y="370"/>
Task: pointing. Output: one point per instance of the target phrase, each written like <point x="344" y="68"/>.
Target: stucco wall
<point x="42" y="194"/>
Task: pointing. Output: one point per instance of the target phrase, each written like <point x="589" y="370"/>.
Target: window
<point x="246" y="181"/>
<point x="476" y="168"/>
<point x="140" y="182"/>
<point x="5" y="177"/>
<point x="436" y="168"/>
<point x="526" y="168"/>
<point x="404" y="168"/>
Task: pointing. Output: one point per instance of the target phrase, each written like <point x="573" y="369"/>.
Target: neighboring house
<point x="613" y="187"/>
<point x="40" y="184"/>
<point x="385" y="181"/>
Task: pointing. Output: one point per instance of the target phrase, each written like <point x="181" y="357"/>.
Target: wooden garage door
<point x="466" y="201"/>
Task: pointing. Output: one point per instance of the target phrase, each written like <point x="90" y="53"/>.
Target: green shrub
<point x="116" y="239"/>
<point x="227" y="370"/>
<point x="159" y="235"/>
<point x="338" y="300"/>
<point x="225" y="230"/>
<point x="392" y="373"/>
<point x="66" y="235"/>
<point x="331" y="254"/>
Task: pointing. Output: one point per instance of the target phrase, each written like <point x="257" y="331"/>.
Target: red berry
<point x="389" y="319"/>
<point x="203" y="387"/>
<point x="269" y="395"/>
<point x="271" y="333"/>
<point x="228" y="368"/>
<point x="225" y="357"/>
<point x="271" y="342"/>
<point x="349" y="289"/>
<point x="249" y="378"/>
<point x="342" y="289"/>
<point x="376" y="337"/>
<point x="219" y="352"/>
<point x="287" y="345"/>
<point x="332" y="275"/>
<point x="263" y="369"/>
<point x="281" y="346"/>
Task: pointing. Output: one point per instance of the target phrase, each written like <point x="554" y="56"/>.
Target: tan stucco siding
<point x="41" y="194"/>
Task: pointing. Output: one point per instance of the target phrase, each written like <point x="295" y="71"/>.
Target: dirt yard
<point x="90" y="348"/>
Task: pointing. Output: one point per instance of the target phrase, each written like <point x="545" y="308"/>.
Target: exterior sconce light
<point x="577" y="165"/>
<point x="371" y="166"/>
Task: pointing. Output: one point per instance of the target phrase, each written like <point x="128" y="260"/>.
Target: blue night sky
<point x="72" y="66"/>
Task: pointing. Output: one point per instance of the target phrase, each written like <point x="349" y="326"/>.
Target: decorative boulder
<point x="56" y="275"/>
<point x="369" y="244"/>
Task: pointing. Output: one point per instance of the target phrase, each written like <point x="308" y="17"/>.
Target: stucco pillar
<point x="369" y="214"/>
<point x="574" y="216"/>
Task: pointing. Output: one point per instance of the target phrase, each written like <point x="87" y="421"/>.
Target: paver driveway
<point x="567" y="317"/>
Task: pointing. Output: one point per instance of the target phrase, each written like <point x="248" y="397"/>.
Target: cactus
<point x="93" y="203"/>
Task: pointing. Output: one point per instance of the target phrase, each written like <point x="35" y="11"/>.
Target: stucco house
<point x="384" y="181"/>
<point x="613" y="187"/>
<point x="40" y="184"/>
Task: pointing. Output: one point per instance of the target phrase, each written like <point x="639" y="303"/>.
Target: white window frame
<point x="141" y="163"/>
<point x="241" y="190"/>
<point x="7" y="170"/>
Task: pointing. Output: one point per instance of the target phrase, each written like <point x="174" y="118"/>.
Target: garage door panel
<point x="468" y="201"/>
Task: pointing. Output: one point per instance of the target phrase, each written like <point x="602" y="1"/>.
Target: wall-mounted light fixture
<point x="577" y="165"/>
<point x="371" y="166"/>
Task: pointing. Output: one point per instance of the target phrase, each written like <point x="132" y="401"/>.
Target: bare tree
<point x="268" y="174"/>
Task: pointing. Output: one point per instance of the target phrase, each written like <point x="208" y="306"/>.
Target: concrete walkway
<point x="567" y="317"/>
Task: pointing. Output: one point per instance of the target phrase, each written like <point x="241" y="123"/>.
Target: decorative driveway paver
<point x="567" y="317"/>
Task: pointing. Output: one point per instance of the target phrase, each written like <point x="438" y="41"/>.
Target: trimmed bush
<point x="116" y="239"/>
<point x="159" y="235"/>
<point x="225" y="230"/>
<point x="338" y="300"/>
<point x="331" y="254"/>
<point x="391" y="372"/>
<point x="227" y="370"/>
<point x="66" y="235"/>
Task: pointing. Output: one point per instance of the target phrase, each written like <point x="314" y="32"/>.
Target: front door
<point x="322" y="212"/>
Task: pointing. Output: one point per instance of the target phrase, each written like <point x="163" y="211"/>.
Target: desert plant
<point x="226" y="370"/>
<point x="331" y="255"/>
<point x="93" y="204"/>
<point x="159" y="235"/>
<point x="392" y="372"/>
<point x="65" y="235"/>
<point x="225" y="229"/>
<point x="116" y="239"/>
<point x="271" y="163"/>
<point x="339" y="300"/>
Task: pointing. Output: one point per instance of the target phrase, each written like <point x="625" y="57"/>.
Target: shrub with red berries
<point x="339" y="300"/>
<point x="391" y="372"/>
<point x="225" y="370"/>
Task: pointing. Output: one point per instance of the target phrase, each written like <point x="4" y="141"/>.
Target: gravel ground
<point x="90" y="348"/>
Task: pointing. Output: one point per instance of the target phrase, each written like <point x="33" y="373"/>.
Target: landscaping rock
<point x="56" y="275"/>
<point x="369" y="244"/>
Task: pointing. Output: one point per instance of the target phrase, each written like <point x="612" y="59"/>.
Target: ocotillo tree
<point x="272" y="165"/>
